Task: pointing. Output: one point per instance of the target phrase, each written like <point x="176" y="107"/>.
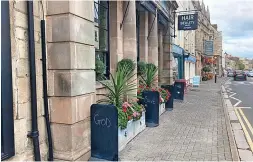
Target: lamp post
<point x="215" y="76"/>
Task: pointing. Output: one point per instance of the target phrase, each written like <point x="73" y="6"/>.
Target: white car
<point x="250" y="74"/>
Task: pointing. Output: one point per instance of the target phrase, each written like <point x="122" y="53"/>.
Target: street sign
<point x="188" y="22"/>
<point x="196" y="81"/>
<point x="208" y="47"/>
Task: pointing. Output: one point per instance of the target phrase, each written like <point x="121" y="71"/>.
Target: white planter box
<point x="125" y="135"/>
<point x="161" y="109"/>
<point x="139" y="125"/>
<point x="132" y="130"/>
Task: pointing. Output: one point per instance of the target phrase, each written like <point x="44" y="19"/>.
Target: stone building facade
<point x="186" y="40"/>
<point x="74" y="39"/>
<point x="206" y="32"/>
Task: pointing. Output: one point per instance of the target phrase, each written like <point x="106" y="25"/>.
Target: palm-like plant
<point x="151" y="75"/>
<point x="119" y="84"/>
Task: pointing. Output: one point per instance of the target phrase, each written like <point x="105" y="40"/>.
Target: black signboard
<point x="169" y="103"/>
<point x="208" y="47"/>
<point x="104" y="132"/>
<point x="151" y="102"/>
<point x="179" y="90"/>
<point x="188" y="22"/>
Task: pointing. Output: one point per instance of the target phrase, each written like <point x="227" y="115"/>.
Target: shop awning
<point x="191" y="59"/>
<point x="162" y="18"/>
<point x="177" y="50"/>
<point x="149" y="6"/>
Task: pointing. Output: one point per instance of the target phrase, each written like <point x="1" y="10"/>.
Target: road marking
<point x="232" y="94"/>
<point x="245" y="130"/>
<point x="242" y="107"/>
<point x="238" y="101"/>
<point x="246" y="121"/>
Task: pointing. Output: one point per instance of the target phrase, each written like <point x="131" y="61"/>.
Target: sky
<point x="235" y="20"/>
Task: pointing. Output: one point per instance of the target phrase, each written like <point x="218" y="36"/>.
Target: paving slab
<point x="245" y="155"/>
<point x="236" y="126"/>
<point x="239" y="136"/>
<point x="232" y="115"/>
<point x="194" y="130"/>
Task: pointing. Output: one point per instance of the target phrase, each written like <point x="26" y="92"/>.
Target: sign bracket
<point x="124" y="16"/>
<point x="152" y="23"/>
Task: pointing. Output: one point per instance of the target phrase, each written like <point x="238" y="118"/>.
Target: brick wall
<point x="21" y="80"/>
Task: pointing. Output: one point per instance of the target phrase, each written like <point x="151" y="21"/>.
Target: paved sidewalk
<point x="194" y="130"/>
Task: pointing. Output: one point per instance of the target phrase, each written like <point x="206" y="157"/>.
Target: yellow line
<point x="245" y="130"/>
<point x="246" y="121"/>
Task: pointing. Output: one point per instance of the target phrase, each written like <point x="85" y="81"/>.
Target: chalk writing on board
<point x="149" y="101"/>
<point x="102" y="121"/>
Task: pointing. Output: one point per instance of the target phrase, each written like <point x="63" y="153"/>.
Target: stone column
<point x="167" y="73"/>
<point x="71" y="76"/>
<point x="143" y="36"/>
<point x="116" y="34"/>
<point x="129" y="30"/>
<point x="160" y="54"/>
<point x="152" y="39"/>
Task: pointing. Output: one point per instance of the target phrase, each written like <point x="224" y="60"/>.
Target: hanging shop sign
<point x="208" y="47"/>
<point x="188" y="22"/>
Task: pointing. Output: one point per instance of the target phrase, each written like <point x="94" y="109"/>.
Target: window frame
<point x="96" y="20"/>
<point x="7" y="120"/>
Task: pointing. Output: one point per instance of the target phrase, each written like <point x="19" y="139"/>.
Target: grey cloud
<point x="235" y="20"/>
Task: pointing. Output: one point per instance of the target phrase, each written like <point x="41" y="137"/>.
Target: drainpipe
<point x="34" y="134"/>
<point x="44" y="71"/>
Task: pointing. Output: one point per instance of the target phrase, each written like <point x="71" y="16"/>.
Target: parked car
<point x="246" y="72"/>
<point x="239" y="75"/>
<point x="230" y="74"/>
<point x="250" y="74"/>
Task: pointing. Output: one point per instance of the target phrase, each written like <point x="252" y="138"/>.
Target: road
<point x="241" y="97"/>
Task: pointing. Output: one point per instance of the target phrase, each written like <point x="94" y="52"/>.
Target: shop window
<point x="101" y="19"/>
<point x="7" y="123"/>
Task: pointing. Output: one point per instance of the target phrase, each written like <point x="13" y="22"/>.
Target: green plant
<point x="165" y="94"/>
<point x="126" y="65"/>
<point x="99" y="69"/>
<point x="151" y="75"/>
<point x="206" y="69"/>
<point x="141" y="69"/>
<point x="240" y="65"/>
<point x="122" y="119"/>
<point x="119" y="84"/>
<point x="204" y="78"/>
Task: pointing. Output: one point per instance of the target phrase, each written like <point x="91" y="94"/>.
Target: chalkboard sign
<point x="169" y="103"/>
<point x="179" y="90"/>
<point x="104" y="132"/>
<point x="150" y="99"/>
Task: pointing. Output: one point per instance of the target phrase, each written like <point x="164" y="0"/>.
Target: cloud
<point x="235" y="20"/>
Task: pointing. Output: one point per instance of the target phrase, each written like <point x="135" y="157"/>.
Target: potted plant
<point x="150" y="97"/>
<point x="119" y="93"/>
<point x="169" y="103"/>
<point x="164" y="97"/>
